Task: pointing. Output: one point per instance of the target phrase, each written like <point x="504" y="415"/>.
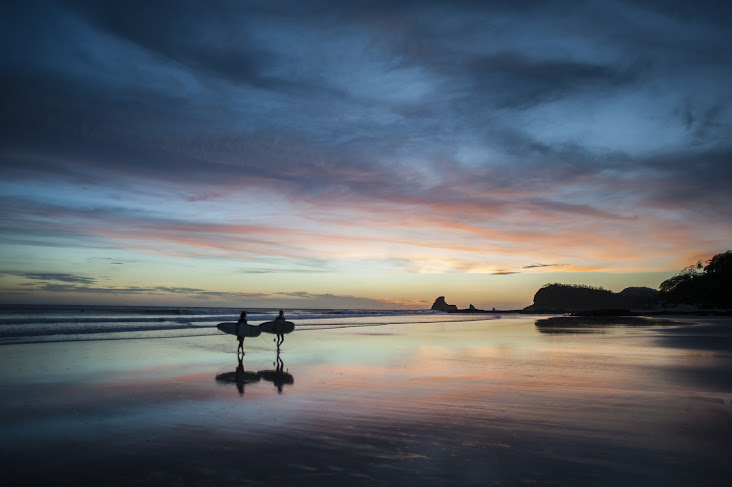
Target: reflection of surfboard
<point x="277" y="326"/>
<point x="244" y="330"/>
<point x="236" y="377"/>
<point x="278" y="377"/>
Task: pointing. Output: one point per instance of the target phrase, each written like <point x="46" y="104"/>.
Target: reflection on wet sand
<point x="240" y="377"/>
<point x="279" y="377"/>
<point x="483" y="403"/>
<point x="596" y="324"/>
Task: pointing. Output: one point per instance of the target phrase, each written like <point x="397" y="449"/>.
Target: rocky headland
<point x="698" y="289"/>
<point x="571" y="298"/>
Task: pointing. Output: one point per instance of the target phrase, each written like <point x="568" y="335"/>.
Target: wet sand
<point x="499" y="402"/>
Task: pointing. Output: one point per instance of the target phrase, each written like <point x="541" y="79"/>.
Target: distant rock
<point x="472" y="309"/>
<point x="441" y="305"/>
<point x="573" y="298"/>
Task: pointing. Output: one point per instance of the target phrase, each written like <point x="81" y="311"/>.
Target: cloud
<point x="218" y="54"/>
<point x="193" y="293"/>
<point x="283" y="271"/>
<point x="427" y="137"/>
<point x="51" y="276"/>
<point x="517" y="81"/>
<point x="328" y="300"/>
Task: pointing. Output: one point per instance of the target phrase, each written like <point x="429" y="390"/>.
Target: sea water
<point x="363" y="397"/>
<point x="33" y="324"/>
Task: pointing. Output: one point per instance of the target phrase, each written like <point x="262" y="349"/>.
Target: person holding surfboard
<point x="240" y="336"/>
<point x="278" y="325"/>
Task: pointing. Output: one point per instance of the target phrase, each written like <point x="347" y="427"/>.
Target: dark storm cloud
<point x="325" y="97"/>
<point x="515" y="80"/>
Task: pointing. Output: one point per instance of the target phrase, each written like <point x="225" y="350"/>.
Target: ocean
<point x="158" y="396"/>
<point x="49" y="323"/>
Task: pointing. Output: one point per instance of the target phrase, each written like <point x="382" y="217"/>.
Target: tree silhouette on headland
<point x="709" y="285"/>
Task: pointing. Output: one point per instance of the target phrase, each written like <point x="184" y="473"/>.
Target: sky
<point x="331" y="154"/>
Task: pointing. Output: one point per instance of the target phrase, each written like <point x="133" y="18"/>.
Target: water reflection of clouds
<point x="451" y="399"/>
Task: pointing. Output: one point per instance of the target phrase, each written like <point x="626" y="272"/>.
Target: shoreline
<point x="464" y="403"/>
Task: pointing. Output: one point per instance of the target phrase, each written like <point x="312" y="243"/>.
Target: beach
<point x="486" y="401"/>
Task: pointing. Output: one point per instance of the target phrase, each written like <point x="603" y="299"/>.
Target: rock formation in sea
<point x="441" y="305"/>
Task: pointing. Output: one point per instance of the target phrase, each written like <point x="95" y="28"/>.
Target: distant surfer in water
<point x="278" y="329"/>
<point x="240" y="336"/>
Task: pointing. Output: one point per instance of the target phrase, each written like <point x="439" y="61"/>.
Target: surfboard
<point x="277" y="326"/>
<point x="244" y="330"/>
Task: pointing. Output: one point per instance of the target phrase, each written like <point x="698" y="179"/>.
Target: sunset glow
<point x="358" y="156"/>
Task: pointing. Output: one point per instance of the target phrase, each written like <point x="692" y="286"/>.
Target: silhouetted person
<point x="278" y="326"/>
<point x="240" y="336"/>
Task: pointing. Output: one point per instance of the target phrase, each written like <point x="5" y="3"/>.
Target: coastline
<point x="464" y="403"/>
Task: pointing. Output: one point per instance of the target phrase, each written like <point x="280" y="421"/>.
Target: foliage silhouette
<point x="709" y="286"/>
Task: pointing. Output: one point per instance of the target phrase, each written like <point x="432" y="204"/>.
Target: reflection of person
<point x="278" y="377"/>
<point x="239" y="377"/>
<point x="240" y="380"/>
<point x="278" y="329"/>
<point x="240" y="335"/>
